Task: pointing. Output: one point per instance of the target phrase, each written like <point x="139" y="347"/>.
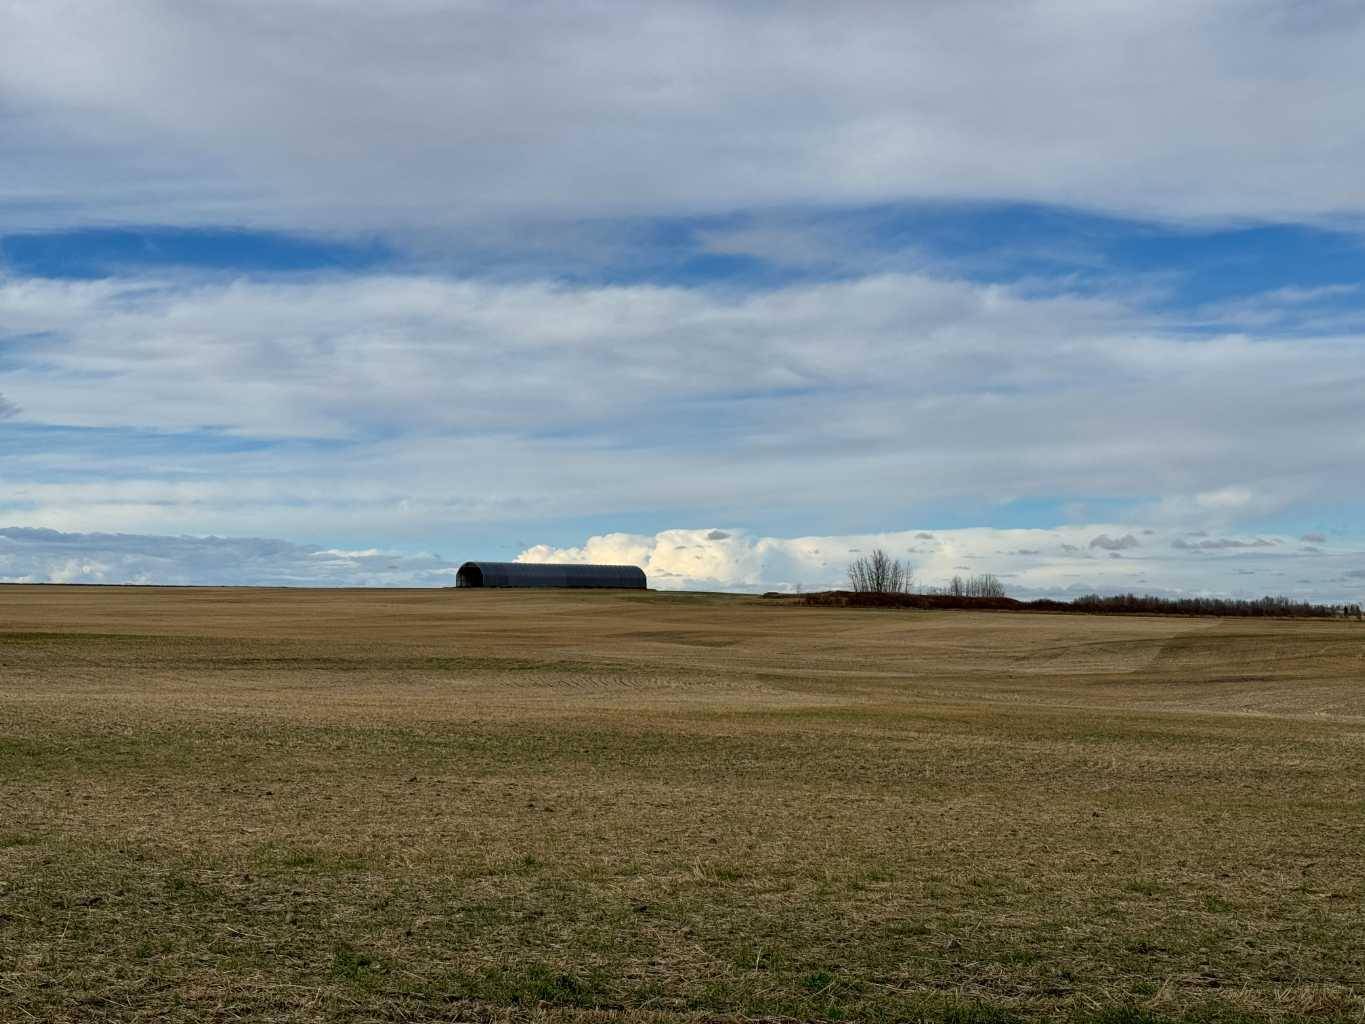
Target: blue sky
<point x="451" y="280"/>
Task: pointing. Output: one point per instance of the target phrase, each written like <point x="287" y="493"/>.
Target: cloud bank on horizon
<point x="1062" y="562"/>
<point x="433" y="276"/>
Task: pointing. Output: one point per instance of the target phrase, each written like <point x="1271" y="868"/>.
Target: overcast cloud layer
<point x="412" y="113"/>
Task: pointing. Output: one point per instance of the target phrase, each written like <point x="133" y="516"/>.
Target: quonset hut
<point x="541" y="574"/>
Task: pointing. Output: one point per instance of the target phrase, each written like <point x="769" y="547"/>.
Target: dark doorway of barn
<point x="470" y="575"/>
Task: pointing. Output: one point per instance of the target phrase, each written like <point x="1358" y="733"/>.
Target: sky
<point x="337" y="293"/>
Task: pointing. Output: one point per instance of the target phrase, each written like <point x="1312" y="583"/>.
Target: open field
<point x="239" y="805"/>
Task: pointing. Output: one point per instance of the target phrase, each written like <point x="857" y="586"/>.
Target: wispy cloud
<point x="1108" y="543"/>
<point x="49" y="556"/>
<point x="1222" y="543"/>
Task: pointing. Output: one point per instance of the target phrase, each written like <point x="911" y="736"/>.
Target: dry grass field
<point x="238" y="805"/>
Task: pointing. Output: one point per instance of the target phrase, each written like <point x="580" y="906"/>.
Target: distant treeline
<point x="1093" y="604"/>
<point x="1261" y="607"/>
<point x="984" y="585"/>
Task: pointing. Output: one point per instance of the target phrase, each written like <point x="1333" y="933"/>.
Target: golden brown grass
<point x="246" y="805"/>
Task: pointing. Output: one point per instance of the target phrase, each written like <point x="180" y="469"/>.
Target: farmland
<point x="286" y="805"/>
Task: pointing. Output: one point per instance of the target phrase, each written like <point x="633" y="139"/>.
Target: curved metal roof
<point x="541" y="574"/>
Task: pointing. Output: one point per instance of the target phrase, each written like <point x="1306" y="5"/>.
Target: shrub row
<point x="1093" y="604"/>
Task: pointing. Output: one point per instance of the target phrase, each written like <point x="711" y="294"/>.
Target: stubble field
<point x="240" y="805"/>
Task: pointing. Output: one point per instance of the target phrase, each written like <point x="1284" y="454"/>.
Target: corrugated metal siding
<point x="539" y="574"/>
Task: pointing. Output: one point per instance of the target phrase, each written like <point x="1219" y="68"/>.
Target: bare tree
<point x="984" y="585"/>
<point x="879" y="573"/>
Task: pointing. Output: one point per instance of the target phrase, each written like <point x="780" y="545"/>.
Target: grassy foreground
<point x="235" y="805"/>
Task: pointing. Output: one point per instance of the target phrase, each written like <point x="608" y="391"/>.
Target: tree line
<point x="878" y="579"/>
<point x="1260" y="607"/>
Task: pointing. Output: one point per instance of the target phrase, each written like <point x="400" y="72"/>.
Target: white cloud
<point x="409" y="403"/>
<point x="413" y="113"/>
<point x="1056" y="562"/>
